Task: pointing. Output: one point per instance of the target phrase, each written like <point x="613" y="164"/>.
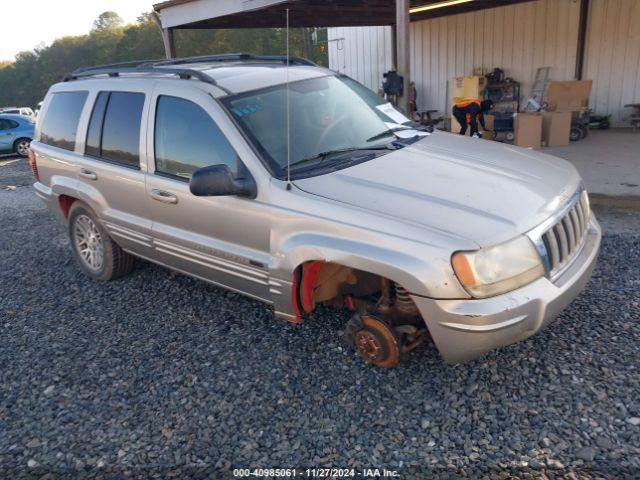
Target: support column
<point x="403" y="53"/>
<point x="169" y="43"/>
<point x="583" y="25"/>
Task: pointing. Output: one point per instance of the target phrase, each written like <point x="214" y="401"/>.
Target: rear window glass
<point x="60" y="124"/>
<point x="114" y="129"/>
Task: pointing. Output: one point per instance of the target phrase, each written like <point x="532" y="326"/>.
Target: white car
<point x="17" y="111"/>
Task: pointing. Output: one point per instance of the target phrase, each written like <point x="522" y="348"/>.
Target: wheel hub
<point x="374" y="340"/>
<point x="369" y="347"/>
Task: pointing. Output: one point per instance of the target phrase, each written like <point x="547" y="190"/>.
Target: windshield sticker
<point x="392" y="113"/>
<point x="246" y="110"/>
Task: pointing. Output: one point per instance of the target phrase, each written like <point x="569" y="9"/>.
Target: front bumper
<point x="465" y="329"/>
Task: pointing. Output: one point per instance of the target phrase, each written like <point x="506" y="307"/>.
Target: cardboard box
<point x="488" y="122"/>
<point x="465" y="87"/>
<point x="555" y="128"/>
<point x="528" y="130"/>
<point x="569" y="96"/>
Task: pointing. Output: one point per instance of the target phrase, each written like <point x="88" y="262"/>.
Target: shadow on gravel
<point x="166" y="374"/>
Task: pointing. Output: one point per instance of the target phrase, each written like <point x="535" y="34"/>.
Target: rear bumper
<point x="465" y="329"/>
<point x="44" y="193"/>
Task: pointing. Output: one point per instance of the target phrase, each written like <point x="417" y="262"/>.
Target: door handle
<point x="162" y="196"/>
<point x="88" y="174"/>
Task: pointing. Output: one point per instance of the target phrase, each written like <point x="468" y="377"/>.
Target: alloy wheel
<point x="89" y="242"/>
<point x="23" y="148"/>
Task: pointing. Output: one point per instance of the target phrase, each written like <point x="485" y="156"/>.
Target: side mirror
<point x="218" y="181"/>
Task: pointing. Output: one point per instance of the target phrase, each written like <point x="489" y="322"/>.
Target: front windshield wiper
<point x="323" y="155"/>
<point x="387" y="132"/>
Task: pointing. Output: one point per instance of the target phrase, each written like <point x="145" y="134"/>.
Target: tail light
<point x="33" y="165"/>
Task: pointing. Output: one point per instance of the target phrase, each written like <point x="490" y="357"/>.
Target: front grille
<point x="564" y="239"/>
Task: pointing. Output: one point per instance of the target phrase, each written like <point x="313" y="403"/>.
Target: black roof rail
<point x="133" y="63"/>
<point x="165" y="67"/>
<point x="230" y="57"/>
<point x="184" y="73"/>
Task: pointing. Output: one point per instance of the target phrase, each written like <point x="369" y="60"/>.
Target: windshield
<point x="331" y="117"/>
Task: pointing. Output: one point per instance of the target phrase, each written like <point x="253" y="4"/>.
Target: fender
<point x="428" y="275"/>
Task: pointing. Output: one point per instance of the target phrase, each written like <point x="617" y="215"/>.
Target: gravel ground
<point x="166" y="376"/>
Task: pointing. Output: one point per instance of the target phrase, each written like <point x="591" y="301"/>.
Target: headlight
<point x="499" y="269"/>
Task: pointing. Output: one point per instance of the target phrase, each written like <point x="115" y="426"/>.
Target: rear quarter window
<point x="60" y="124"/>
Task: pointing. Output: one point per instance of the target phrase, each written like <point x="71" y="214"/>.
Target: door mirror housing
<point x="219" y="181"/>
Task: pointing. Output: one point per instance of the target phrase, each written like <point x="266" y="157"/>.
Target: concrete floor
<point x="608" y="160"/>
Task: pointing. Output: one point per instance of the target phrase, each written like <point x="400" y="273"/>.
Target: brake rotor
<point x="377" y="343"/>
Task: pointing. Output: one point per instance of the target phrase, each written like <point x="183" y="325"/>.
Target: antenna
<point x="288" y="112"/>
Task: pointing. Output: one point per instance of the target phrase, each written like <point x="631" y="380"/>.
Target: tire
<point x="575" y="133"/>
<point x="101" y="258"/>
<point x="510" y="136"/>
<point x="21" y="147"/>
<point x="585" y="131"/>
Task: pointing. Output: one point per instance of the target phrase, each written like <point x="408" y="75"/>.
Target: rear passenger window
<point x="6" y="124"/>
<point x="186" y="139"/>
<point x="60" y="124"/>
<point x="114" y="129"/>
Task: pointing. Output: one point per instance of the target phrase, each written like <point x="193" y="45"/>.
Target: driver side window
<point x="186" y="139"/>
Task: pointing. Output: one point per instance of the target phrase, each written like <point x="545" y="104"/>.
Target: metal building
<point x="592" y="39"/>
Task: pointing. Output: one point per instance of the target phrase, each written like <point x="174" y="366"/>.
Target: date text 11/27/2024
<point x="315" y="473"/>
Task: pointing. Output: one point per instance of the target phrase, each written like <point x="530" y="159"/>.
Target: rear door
<point x="222" y="239"/>
<point x="111" y="173"/>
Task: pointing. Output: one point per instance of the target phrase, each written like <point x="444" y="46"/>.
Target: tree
<point x="107" y="21"/>
<point x="25" y="81"/>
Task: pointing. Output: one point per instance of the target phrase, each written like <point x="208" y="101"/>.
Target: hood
<point x="484" y="191"/>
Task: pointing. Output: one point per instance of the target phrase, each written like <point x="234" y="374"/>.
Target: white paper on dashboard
<point x="392" y="113"/>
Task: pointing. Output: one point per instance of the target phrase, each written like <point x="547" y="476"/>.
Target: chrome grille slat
<point x="562" y="240"/>
<point x="577" y="227"/>
<point x="581" y="218"/>
<point x="571" y="235"/>
<point x="555" y="251"/>
<point x="562" y="237"/>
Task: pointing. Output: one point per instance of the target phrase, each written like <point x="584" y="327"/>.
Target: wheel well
<point x="18" y="140"/>
<point x="65" y="204"/>
<point x="329" y="283"/>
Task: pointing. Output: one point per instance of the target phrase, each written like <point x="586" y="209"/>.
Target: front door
<point x="221" y="239"/>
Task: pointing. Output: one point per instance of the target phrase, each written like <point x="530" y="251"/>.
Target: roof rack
<point x="231" y="57"/>
<point x="165" y="67"/>
<point x="183" y="73"/>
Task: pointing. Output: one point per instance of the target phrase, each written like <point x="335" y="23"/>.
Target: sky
<point x="27" y="23"/>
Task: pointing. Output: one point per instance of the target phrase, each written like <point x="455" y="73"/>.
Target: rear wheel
<point x="99" y="257"/>
<point x="21" y="147"/>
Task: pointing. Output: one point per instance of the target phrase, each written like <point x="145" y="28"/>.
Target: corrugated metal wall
<point x="517" y="38"/>
<point x="363" y="53"/>
<point x="613" y="56"/>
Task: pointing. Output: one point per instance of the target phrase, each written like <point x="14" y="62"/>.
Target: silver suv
<point x="297" y="186"/>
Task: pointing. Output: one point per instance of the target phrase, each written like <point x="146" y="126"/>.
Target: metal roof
<point x="204" y="14"/>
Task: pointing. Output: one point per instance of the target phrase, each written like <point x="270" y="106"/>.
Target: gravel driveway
<point x="162" y="375"/>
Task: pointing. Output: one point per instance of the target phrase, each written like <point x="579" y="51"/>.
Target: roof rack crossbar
<point x="133" y="63"/>
<point x="165" y="67"/>
<point x="230" y="57"/>
<point x="183" y="73"/>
